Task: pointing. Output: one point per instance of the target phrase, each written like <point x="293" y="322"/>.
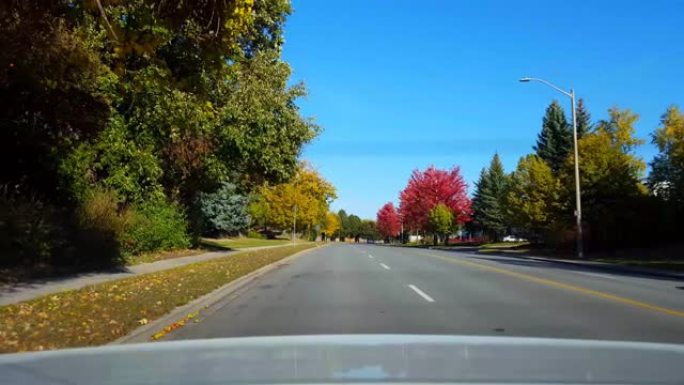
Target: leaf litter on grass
<point x="98" y="314"/>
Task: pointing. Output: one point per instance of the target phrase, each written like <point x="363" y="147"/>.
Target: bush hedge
<point x="152" y="226"/>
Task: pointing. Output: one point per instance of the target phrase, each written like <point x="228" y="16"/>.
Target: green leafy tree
<point x="344" y="224"/>
<point x="368" y="230"/>
<point x="55" y="91"/>
<point x="533" y="199"/>
<point x="667" y="168"/>
<point x="555" y="139"/>
<point x="440" y="221"/>
<point x="610" y="177"/>
<point x="354" y="227"/>
<point x="151" y="101"/>
<point x="199" y="86"/>
<point x="261" y="131"/>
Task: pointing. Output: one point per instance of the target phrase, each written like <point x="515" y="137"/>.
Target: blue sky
<point x="398" y="85"/>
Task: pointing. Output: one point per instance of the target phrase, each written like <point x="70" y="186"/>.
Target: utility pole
<point x="578" y="195"/>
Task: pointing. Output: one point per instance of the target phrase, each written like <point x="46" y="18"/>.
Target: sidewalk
<point x="24" y="291"/>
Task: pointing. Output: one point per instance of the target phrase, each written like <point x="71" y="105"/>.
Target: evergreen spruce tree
<point x="555" y="139"/>
<point x="488" y="200"/>
<point x="478" y="201"/>
<point x="583" y="119"/>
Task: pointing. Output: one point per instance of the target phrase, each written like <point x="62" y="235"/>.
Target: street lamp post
<point x="578" y="199"/>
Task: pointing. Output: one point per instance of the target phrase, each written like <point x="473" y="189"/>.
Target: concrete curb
<point x="26" y="291"/>
<point x="587" y="264"/>
<point x="608" y="267"/>
<point x="604" y="266"/>
<point x="205" y="302"/>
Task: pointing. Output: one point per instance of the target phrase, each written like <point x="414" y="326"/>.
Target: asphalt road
<point x="377" y="289"/>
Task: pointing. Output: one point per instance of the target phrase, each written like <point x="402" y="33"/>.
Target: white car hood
<point x="353" y="359"/>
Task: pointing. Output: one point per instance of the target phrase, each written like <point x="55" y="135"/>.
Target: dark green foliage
<point x="368" y="230"/>
<point x="155" y="225"/>
<point x="261" y="131"/>
<point x="554" y="142"/>
<point x="583" y="119"/>
<point x="256" y="235"/>
<point x="489" y="200"/>
<point x="354" y="227"/>
<point x="28" y="230"/>
<point x="344" y="224"/>
<point x="42" y="238"/>
<point x="666" y="180"/>
<point x="478" y="202"/>
<point x="53" y="89"/>
<point x="224" y="212"/>
<point x="134" y="109"/>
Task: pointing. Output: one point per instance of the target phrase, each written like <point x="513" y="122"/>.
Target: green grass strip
<point x="98" y="314"/>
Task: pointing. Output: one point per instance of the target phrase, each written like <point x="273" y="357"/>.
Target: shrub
<point x="154" y="225"/>
<point x="223" y="212"/>
<point x="100" y="212"/>
<point x="255" y="234"/>
<point x="100" y="224"/>
<point x="28" y="232"/>
<point x="41" y="238"/>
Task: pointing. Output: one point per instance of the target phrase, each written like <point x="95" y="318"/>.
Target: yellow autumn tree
<point x="611" y="175"/>
<point x="303" y="202"/>
<point x="332" y="224"/>
<point x="533" y="197"/>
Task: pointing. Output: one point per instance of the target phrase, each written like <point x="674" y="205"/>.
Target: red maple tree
<point x="388" y="222"/>
<point x="426" y="189"/>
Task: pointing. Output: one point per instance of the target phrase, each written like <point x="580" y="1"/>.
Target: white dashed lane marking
<point x="421" y="293"/>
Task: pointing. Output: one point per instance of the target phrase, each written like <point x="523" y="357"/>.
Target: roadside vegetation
<point x="133" y="129"/>
<point x="623" y="208"/>
<point x="101" y="313"/>
<point x="162" y="255"/>
<point x="244" y="242"/>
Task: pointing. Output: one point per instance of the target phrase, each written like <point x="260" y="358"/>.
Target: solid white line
<point x="385" y="266"/>
<point x="421" y="293"/>
<point x="370" y="256"/>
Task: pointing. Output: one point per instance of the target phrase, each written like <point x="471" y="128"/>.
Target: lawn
<point x="162" y="255"/>
<point x="243" y="242"/>
<point x="99" y="314"/>
<point x="503" y="245"/>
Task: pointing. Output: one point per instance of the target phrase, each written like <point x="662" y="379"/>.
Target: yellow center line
<point x="560" y="285"/>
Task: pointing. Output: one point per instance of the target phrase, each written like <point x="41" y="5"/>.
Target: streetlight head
<point x="524" y="80"/>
